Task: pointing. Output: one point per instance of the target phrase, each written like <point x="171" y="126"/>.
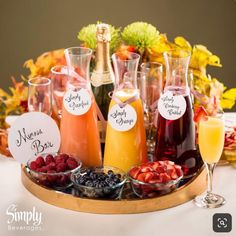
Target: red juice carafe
<point x="175" y="139"/>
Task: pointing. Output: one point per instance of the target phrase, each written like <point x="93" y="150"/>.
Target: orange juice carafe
<point x="79" y="131"/>
<point x="125" y="144"/>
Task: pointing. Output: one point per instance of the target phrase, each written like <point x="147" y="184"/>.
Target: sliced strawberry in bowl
<point x="134" y="172"/>
<point x="145" y="169"/>
<point x="174" y="175"/>
<point x="165" y="177"/>
<point x="170" y="169"/>
<point x="141" y="177"/>
<point x="178" y="170"/>
<point x="155" y="165"/>
<point x="160" y="169"/>
<point x="155" y="178"/>
<point x="148" y="176"/>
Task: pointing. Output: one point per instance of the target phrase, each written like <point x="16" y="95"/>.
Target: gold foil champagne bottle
<point x="103" y="78"/>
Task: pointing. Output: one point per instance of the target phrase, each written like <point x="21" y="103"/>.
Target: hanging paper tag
<point x="32" y="134"/>
<point x="171" y="107"/>
<point x="122" y="119"/>
<point x="77" y="102"/>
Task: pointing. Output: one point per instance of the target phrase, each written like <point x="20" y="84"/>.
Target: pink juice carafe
<point x="176" y="136"/>
<point x="79" y="128"/>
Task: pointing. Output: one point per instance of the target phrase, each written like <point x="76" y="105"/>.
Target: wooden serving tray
<point x="185" y="193"/>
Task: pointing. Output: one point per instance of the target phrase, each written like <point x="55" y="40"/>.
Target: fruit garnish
<point x="52" y="165"/>
<point x="92" y="178"/>
<point x="98" y="182"/>
<point x="134" y="172"/>
<point x="34" y="165"/>
<point x="53" y="170"/>
<point x="200" y="114"/>
<point x="141" y="177"/>
<point x="178" y="170"/>
<point x="164" y="177"/>
<point x="71" y="163"/>
<point x="156" y="172"/>
<point x="40" y="161"/>
<point x="61" y="167"/>
<point x="49" y="158"/>
<point x="155" y="178"/>
<point x="148" y="176"/>
<point x="230" y="139"/>
<point x="145" y="169"/>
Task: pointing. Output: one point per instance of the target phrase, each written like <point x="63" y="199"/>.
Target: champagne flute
<point x="211" y="144"/>
<point x="40" y="95"/>
<point x="59" y="78"/>
<point x="150" y="86"/>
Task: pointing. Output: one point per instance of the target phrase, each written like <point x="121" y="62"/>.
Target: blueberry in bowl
<point x="53" y="170"/>
<point x="99" y="182"/>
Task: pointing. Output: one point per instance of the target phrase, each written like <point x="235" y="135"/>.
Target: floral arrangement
<point x="15" y="101"/>
<point x="139" y="37"/>
<point x="146" y="40"/>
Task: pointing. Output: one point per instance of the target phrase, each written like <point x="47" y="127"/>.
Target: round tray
<point x="125" y="206"/>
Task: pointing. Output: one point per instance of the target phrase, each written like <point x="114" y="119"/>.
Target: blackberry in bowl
<point x="99" y="182"/>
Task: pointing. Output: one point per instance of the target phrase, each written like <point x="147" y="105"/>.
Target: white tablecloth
<point x="183" y="220"/>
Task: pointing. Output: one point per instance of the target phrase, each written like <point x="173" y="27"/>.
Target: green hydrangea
<point x="87" y="35"/>
<point x="141" y="35"/>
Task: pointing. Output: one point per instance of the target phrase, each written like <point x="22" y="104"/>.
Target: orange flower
<point x="45" y="62"/>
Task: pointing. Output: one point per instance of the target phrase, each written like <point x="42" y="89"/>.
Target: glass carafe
<point x="125" y="139"/>
<point x="175" y="139"/>
<point x="79" y="131"/>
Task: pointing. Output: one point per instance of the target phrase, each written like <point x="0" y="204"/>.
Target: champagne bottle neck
<point x="103" y="72"/>
<point x="103" y="63"/>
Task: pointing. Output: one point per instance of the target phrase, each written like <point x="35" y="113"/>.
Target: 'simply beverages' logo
<point x="27" y="219"/>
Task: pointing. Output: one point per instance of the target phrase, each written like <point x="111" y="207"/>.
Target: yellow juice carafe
<point x="125" y="145"/>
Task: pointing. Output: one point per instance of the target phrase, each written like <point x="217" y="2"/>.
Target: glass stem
<point x="210" y="170"/>
<point x="150" y="126"/>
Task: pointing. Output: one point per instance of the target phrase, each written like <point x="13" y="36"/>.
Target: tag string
<point x="101" y="117"/>
<point x="72" y="73"/>
<point x="119" y="102"/>
<point x="83" y="82"/>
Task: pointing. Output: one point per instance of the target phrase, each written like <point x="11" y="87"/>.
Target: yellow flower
<point x="183" y="43"/>
<point x="228" y="98"/>
<point x="201" y="57"/>
<point x="162" y="45"/>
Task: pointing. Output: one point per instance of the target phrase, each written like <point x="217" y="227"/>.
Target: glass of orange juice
<point x="211" y="143"/>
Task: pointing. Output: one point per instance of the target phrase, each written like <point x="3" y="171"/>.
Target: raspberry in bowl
<point x="99" y="182"/>
<point x="155" y="178"/>
<point x="53" y="170"/>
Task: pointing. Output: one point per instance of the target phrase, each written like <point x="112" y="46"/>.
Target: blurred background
<point x="28" y="28"/>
